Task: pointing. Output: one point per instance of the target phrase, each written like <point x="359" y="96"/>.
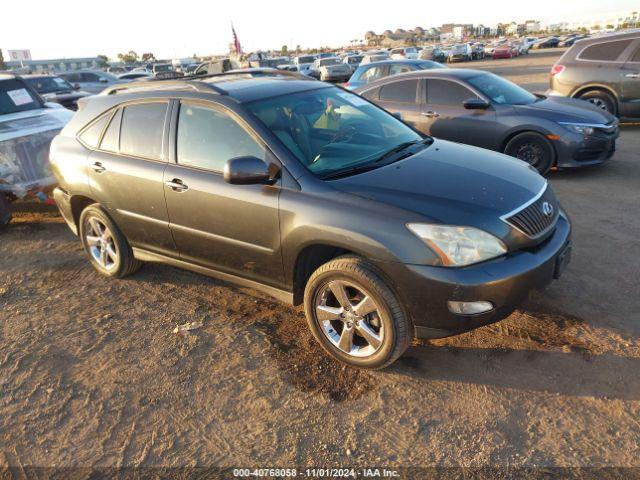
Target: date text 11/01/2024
<point x="317" y="472"/>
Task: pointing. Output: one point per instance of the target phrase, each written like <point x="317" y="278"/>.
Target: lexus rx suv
<point x="314" y="195"/>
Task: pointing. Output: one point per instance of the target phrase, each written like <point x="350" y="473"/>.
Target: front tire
<point x="532" y="148"/>
<point x="105" y="245"/>
<point x="602" y="100"/>
<point x="354" y="315"/>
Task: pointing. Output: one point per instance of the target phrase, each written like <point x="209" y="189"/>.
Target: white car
<point x="407" y="53"/>
<point x="27" y="126"/>
<point x="353" y="61"/>
<point x="330" y="69"/>
<point x="374" y="57"/>
<point x="304" y="63"/>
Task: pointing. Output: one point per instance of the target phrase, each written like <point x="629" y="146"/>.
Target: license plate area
<point x="562" y="260"/>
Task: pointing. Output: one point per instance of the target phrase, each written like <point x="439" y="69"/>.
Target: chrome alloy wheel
<point x="349" y="318"/>
<point x="101" y="244"/>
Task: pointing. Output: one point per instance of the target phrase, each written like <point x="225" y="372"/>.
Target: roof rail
<point x="251" y="71"/>
<point x="153" y="83"/>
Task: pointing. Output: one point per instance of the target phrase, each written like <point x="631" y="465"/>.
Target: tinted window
<point x="403" y="91"/>
<point x="444" y="92"/>
<point x="71" y="77"/>
<point x="501" y="90"/>
<point x="90" y="77"/>
<point x="371" y="74"/>
<point x="142" y="130"/>
<point x="371" y="94"/>
<point x="207" y="138"/>
<point x="401" y="68"/>
<point x="14" y="97"/>
<point x="91" y="135"/>
<point x="604" y="51"/>
<point x="111" y="138"/>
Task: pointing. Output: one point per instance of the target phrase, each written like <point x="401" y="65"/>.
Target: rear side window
<point x="371" y="94"/>
<point x="142" y="130"/>
<point x="607" y="51"/>
<point x="91" y="134"/>
<point x="402" y="68"/>
<point x="444" y="92"/>
<point x="207" y="138"/>
<point x="403" y="91"/>
<point x="371" y="74"/>
<point x="111" y="139"/>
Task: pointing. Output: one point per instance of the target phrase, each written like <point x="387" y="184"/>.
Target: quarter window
<point x="142" y="130"/>
<point x="111" y="138"/>
<point x="444" y="92"/>
<point x="607" y="51"/>
<point x="403" y="91"/>
<point x="207" y="138"/>
<point x="91" y="135"/>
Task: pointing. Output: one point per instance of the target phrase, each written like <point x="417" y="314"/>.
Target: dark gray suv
<point x="315" y="196"/>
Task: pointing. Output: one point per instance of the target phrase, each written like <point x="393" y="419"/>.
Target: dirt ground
<point x="91" y="373"/>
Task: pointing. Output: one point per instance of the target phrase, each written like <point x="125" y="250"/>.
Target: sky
<point x="71" y="28"/>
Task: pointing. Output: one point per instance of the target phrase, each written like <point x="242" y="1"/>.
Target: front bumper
<point x="505" y="282"/>
<point x="575" y="150"/>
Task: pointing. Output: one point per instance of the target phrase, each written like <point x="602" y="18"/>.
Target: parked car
<point x="55" y="89"/>
<point x="460" y="52"/>
<point x="477" y="51"/>
<point x="353" y="61"/>
<point x="304" y="63"/>
<point x="506" y="50"/>
<point x="571" y="40"/>
<point x="522" y="47"/>
<point x="432" y="53"/>
<point x="405" y="53"/>
<point x="92" y="81"/>
<point x="482" y="109"/>
<point x="374" y="57"/>
<point x="330" y="69"/>
<point x="211" y="67"/>
<point x="164" y="70"/>
<point x="135" y="75"/>
<point x="490" y="49"/>
<point x="549" y="42"/>
<point x="602" y="70"/>
<point x="374" y="71"/>
<point x="27" y="126"/>
<point x="315" y="196"/>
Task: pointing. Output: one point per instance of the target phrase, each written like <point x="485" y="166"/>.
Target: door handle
<point x="176" y="185"/>
<point x="98" y="167"/>
<point x="430" y="114"/>
<point x="632" y="75"/>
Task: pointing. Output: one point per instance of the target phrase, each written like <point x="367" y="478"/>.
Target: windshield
<point x="49" y="84"/>
<point x="14" y="97"/>
<point x="330" y="130"/>
<point x="501" y="91"/>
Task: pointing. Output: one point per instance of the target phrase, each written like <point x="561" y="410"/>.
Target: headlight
<point x="459" y="246"/>
<point x="578" y="128"/>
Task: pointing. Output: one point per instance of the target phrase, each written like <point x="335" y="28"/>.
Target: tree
<point x="102" y="60"/>
<point x="130" y="57"/>
<point x="298" y="49"/>
<point x="2" y="65"/>
<point x="284" y="50"/>
<point x="148" y="57"/>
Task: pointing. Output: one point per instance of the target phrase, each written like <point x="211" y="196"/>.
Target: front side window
<point x="606" y="51"/>
<point x="15" y="97"/>
<point x="402" y="68"/>
<point x="142" y="130"/>
<point x="445" y="92"/>
<point x="89" y="77"/>
<point x="371" y="74"/>
<point x="208" y="137"/>
<point x="330" y="130"/>
<point x="403" y="91"/>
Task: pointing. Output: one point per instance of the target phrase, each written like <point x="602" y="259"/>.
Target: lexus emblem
<point x="547" y="209"/>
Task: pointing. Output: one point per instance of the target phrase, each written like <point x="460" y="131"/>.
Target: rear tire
<point x="602" y="100"/>
<point x="532" y="148"/>
<point x="107" y="248"/>
<point x="363" y="323"/>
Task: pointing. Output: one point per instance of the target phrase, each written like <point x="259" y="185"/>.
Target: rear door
<point x="443" y="114"/>
<point x="230" y="228"/>
<point x="400" y="97"/>
<point x="126" y="174"/>
<point x="631" y="84"/>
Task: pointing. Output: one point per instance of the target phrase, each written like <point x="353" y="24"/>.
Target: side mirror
<point x="103" y="80"/>
<point x="246" y="171"/>
<point x="475" y="104"/>
<point x="76" y="86"/>
<point x="398" y="115"/>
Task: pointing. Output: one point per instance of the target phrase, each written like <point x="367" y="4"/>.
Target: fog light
<point x="469" y="308"/>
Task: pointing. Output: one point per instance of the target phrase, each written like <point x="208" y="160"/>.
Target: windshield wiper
<point x="347" y="172"/>
<point x="399" y="148"/>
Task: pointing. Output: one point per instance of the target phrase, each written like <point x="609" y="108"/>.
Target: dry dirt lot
<point x="92" y="375"/>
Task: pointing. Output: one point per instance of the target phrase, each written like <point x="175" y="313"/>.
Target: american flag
<point x="236" y="42"/>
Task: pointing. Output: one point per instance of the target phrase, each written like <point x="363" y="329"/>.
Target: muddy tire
<point x="354" y="315"/>
<point x="532" y="148"/>
<point x="107" y="248"/>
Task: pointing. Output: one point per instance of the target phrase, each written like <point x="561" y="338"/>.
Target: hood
<point x="561" y="109"/>
<point x="451" y="183"/>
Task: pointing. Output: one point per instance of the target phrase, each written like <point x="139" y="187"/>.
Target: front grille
<point x="536" y="218"/>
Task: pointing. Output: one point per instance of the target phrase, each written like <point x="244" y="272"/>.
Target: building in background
<point x="55" y="65"/>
